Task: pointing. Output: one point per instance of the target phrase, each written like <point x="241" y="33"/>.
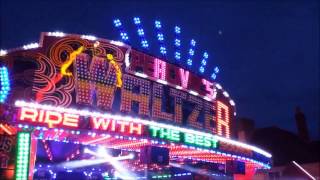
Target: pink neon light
<point x="209" y="88"/>
<point x="184" y="76"/>
<point x="159" y="69"/>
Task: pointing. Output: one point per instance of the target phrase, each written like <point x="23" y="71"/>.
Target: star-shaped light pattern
<point x="177" y="42"/>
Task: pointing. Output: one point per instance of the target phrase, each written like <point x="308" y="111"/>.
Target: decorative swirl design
<point x="50" y="82"/>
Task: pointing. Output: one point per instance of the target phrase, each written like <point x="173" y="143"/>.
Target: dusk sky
<point x="268" y="52"/>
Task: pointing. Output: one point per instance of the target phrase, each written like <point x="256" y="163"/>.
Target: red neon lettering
<point x="109" y="124"/>
<point x="184" y="76"/>
<point x="159" y="69"/>
<point x="71" y="120"/>
<point x="28" y="114"/>
<point x="123" y="125"/>
<point x="223" y="119"/>
<point x="53" y="118"/>
<point x="137" y="129"/>
<point x="41" y="115"/>
<point x="100" y="123"/>
<point x="209" y="88"/>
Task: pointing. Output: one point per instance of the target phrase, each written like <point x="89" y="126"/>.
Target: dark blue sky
<point x="268" y="52"/>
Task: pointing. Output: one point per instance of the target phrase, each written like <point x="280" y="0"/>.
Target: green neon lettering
<point x="175" y="135"/>
<point x="207" y="141"/>
<point x="154" y="130"/>
<point x="199" y="140"/>
<point x="189" y="138"/>
<point x="165" y="133"/>
<point x="214" y="143"/>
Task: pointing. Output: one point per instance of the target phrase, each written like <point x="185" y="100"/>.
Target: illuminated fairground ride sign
<point x="108" y="76"/>
<point x="81" y="83"/>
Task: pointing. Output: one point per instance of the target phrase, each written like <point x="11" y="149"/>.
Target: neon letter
<point x="209" y="88"/>
<point x="184" y="76"/>
<point x="223" y="119"/>
<point x="159" y="69"/>
<point x="100" y="123"/>
<point x="154" y="130"/>
<point x="94" y="78"/>
<point x="53" y="118"/>
<point x="141" y="96"/>
<point x="157" y="104"/>
<point x="188" y="138"/>
<point x="123" y="125"/>
<point x="71" y="120"/>
<point x="28" y="113"/>
<point x="137" y="128"/>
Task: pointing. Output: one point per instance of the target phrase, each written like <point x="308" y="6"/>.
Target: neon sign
<point x="51" y="118"/>
<point x="111" y="124"/>
<point x="185" y="137"/>
<point x="193" y="137"/>
<point x="112" y="77"/>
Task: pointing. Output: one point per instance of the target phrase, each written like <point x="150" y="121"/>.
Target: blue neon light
<point x="177" y="42"/>
<point x="177" y="55"/>
<point x="193" y="42"/>
<point x="189" y="62"/>
<point x="201" y="69"/>
<point x="157" y="24"/>
<point x="117" y="22"/>
<point x="216" y="70"/>
<point x="213" y="76"/>
<point x="177" y="30"/>
<point x="203" y="62"/>
<point x="205" y="55"/>
<point x="136" y="20"/>
<point x="124" y="36"/>
<point x="163" y="50"/>
<point x="140" y="32"/>
<point x="160" y="36"/>
<point x="191" y="52"/>
<point x="144" y="43"/>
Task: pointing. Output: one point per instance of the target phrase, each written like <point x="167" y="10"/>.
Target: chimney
<point x="301" y="123"/>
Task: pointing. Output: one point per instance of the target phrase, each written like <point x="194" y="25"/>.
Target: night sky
<point x="268" y="52"/>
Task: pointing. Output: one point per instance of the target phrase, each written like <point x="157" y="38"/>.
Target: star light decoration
<point x="177" y="42"/>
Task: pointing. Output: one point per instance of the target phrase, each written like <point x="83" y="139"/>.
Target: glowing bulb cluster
<point x="177" y="43"/>
<point x="5" y="84"/>
<point x="191" y="52"/>
<point x="56" y="34"/>
<point x="124" y="36"/>
<point x="136" y="20"/>
<point x="23" y="153"/>
<point x="160" y="37"/>
<point x="203" y="62"/>
<point x="141" y="33"/>
<point x="163" y="50"/>
<point x="214" y="74"/>
<point x="89" y="37"/>
<point x="117" y="23"/>
<point x="157" y="24"/>
<point x="30" y="46"/>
